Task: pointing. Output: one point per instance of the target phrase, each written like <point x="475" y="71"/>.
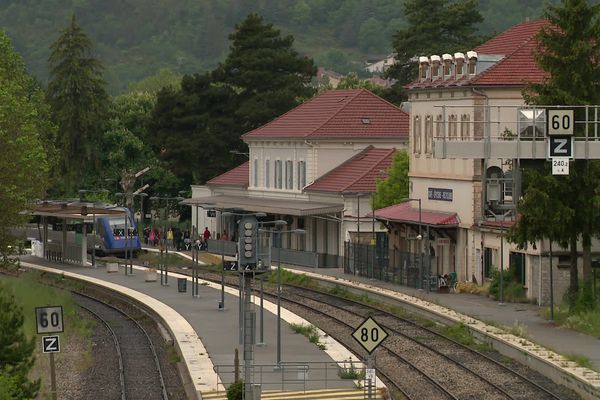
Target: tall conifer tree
<point x="565" y="208"/>
<point x="76" y="92"/>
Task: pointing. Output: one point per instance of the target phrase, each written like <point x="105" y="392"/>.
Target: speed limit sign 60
<point x="560" y="122"/>
<point x="49" y="319"/>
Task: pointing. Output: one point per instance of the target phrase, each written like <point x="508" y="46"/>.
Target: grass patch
<point x="462" y="334"/>
<point x="580" y="360"/>
<point x="172" y="259"/>
<point x="518" y="329"/>
<point x="587" y="321"/>
<point x="342" y="291"/>
<point x="351" y="372"/>
<point x="23" y="289"/>
<point x="173" y="356"/>
<point x="291" y="278"/>
<point x="310" y="331"/>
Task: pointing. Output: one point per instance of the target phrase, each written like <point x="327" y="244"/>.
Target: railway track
<point x="447" y="368"/>
<point x="139" y="368"/>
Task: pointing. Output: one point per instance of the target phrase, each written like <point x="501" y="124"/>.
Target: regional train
<point x="110" y="237"/>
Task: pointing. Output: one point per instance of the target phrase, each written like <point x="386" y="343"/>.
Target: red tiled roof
<point x="404" y="212"/>
<point x="517" y="67"/>
<point x="498" y="224"/>
<point x="237" y="176"/>
<point x="338" y="114"/>
<point x="358" y="174"/>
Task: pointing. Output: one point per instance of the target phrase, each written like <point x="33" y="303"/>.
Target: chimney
<point x="447" y="59"/>
<point x="472" y="57"/>
<point x="423" y="68"/>
<point x="436" y="62"/>
<point x="459" y="62"/>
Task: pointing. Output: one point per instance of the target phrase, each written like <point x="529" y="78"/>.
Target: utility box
<point x="181" y="285"/>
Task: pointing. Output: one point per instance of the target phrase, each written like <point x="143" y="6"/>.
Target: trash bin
<point x="181" y="285"/>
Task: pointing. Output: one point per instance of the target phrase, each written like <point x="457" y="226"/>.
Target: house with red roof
<point x="463" y="200"/>
<point x="315" y="167"/>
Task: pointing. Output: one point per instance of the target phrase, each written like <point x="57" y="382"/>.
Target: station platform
<point x="208" y="337"/>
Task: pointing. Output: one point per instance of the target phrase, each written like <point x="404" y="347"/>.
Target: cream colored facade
<point x="465" y="114"/>
<point x="299" y="163"/>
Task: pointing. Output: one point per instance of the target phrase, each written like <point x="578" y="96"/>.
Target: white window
<point x="452" y="127"/>
<point x="301" y="175"/>
<point x="438" y="126"/>
<point x="428" y="134"/>
<point x="417" y="135"/>
<point x="278" y="173"/>
<point x="267" y="173"/>
<point x="255" y="166"/>
<point x="289" y="174"/>
<point x="465" y="126"/>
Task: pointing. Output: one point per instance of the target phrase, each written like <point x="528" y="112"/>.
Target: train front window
<point x="117" y="226"/>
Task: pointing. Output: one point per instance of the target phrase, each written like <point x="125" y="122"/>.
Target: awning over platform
<point x="80" y="210"/>
<point x="404" y="212"/>
<point x="265" y="204"/>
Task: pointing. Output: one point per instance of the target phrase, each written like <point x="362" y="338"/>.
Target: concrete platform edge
<point x="584" y="381"/>
<point x="188" y="344"/>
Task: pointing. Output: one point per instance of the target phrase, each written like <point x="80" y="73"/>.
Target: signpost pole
<point x="370" y="381"/>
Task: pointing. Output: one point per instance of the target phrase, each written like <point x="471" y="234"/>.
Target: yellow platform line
<point x="324" y="394"/>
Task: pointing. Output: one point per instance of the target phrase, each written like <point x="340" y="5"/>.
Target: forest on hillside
<point x="137" y="38"/>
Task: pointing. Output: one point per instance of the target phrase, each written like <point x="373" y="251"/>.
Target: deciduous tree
<point x="25" y="129"/>
<point x="394" y="188"/>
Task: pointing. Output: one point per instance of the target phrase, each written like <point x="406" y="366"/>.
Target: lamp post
<point x="279" y="232"/>
<point x="82" y="193"/>
<point x="420" y="239"/>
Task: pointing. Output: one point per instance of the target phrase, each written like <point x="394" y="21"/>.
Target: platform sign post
<point x="369" y="335"/>
<point x="50" y="320"/>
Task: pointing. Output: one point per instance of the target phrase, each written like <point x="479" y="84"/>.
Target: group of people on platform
<point x="177" y="239"/>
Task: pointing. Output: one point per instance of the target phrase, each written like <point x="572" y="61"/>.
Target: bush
<point x="235" y="391"/>
<point x="513" y="290"/>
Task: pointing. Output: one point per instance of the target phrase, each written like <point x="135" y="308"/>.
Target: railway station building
<point x="459" y="105"/>
<point x="314" y="167"/>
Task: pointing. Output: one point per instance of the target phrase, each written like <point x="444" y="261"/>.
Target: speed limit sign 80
<point x="49" y="319"/>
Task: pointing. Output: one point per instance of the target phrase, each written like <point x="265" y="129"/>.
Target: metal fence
<point x="289" y="376"/>
<point x="72" y="254"/>
<point x="271" y="255"/>
<point x="387" y="265"/>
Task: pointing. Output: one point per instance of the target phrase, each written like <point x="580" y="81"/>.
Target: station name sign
<point x="440" y="194"/>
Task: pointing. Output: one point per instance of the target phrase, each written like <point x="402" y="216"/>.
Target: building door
<point x="487" y="262"/>
<point x="517" y="264"/>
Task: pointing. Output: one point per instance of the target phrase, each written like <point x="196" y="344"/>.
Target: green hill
<point x="136" y="38"/>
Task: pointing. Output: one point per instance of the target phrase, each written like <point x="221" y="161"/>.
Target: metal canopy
<point x="74" y="209"/>
<point x="263" y="204"/>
